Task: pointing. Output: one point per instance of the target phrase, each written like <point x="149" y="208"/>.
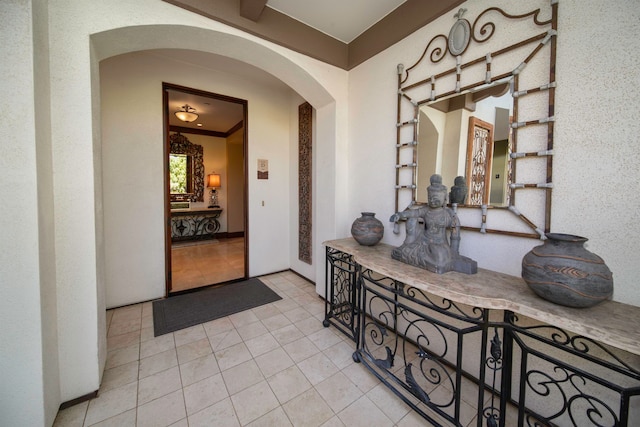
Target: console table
<point x="194" y="223"/>
<point x="456" y="347"/>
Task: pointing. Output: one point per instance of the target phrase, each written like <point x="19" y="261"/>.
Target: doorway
<point x="205" y="142"/>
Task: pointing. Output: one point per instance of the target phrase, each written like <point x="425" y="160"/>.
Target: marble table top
<point x="609" y="322"/>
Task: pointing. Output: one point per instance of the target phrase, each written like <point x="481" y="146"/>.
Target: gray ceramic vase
<point x="367" y="230"/>
<point x="564" y="272"/>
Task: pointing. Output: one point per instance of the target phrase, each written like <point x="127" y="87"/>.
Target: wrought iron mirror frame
<point x="179" y="144"/>
<point x="436" y="50"/>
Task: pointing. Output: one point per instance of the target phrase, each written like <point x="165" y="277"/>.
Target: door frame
<point x="166" y="148"/>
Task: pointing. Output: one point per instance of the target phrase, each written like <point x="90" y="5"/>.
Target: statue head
<point x="459" y="190"/>
<point x="436" y="192"/>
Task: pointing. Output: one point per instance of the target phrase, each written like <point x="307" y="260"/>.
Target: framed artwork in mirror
<point x="479" y="160"/>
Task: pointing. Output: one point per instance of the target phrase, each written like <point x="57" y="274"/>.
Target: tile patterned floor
<point x="207" y="262"/>
<point x="274" y="365"/>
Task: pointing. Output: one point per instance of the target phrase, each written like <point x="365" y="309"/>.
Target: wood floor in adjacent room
<point x="197" y="264"/>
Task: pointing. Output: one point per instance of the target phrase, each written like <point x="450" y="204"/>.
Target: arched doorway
<point x="133" y="39"/>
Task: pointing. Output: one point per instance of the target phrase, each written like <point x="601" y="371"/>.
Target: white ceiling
<point x="342" y="19"/>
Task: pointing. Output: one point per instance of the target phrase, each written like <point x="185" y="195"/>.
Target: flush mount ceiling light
<point x="187" y="114"/>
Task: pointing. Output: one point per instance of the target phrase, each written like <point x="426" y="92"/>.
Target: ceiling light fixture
<point x="187" y="114"/>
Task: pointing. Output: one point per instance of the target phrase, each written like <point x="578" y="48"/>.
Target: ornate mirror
<point x="186" y="169"/>
<point x="479" y="105"/>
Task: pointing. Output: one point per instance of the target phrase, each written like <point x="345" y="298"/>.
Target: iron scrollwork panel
<point x="441" y="357"/>
<point x="341" y="292"/>
<point x="418" y="346"/>
<point x="571" y="380"/>
<point x="194" y="226"/>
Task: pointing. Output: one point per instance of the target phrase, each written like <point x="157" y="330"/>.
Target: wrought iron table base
<point x="194" y="225"/>
<point x="442" y="357"/>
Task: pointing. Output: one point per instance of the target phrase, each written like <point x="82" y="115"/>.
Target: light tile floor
<point x="274" y="365"/>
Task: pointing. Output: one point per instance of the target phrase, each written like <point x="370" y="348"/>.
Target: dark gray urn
<point x="564" y="272"/>
<point x="367" y="230"/>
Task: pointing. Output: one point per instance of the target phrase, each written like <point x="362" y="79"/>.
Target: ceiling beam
<point x="407" y="18"/>
<point x="252" y="9"/>
<point x="286" y="31"/>
<point x="273" y="26"/>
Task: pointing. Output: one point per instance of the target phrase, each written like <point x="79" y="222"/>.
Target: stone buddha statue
<point x="459" y="190"/>
<point x="426" y="243"/>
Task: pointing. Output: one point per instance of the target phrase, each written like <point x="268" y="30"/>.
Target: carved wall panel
<point x="305" y="170"/>
<point x="479" y="155"/>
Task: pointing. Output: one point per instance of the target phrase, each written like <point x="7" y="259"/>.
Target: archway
<point x="147" y="37"/>
<point x="142" y="38"/>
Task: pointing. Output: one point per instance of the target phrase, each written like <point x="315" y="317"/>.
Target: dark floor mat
<point x="179" y="312"/>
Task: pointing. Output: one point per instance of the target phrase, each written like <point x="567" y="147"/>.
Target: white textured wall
<point x="235" y="182"/>
<point x="76" y="212"/>
<point x="22" y="312"/>
<point x="215" y="160"/>
<point x="269" y="203"/>
<point x="598" y="134"/>
<point x="46" y="241"/>
<point x="596" y="137"/>
<point x="133" y="191"/>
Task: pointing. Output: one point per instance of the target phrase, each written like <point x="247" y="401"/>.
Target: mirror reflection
<point x="186" y="169"/>
<point x="468" y="135"/>
<point x="180" y="171"/>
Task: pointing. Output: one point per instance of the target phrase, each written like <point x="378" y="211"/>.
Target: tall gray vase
<point x="367" y="230"/>
<point x="564" y="272"/>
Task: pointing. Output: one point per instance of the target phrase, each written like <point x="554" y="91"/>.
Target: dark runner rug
<point x="181" y="311"/>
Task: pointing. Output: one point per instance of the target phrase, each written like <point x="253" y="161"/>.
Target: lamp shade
<point x="213" y="180"/>
<point x="187" y="114"/>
